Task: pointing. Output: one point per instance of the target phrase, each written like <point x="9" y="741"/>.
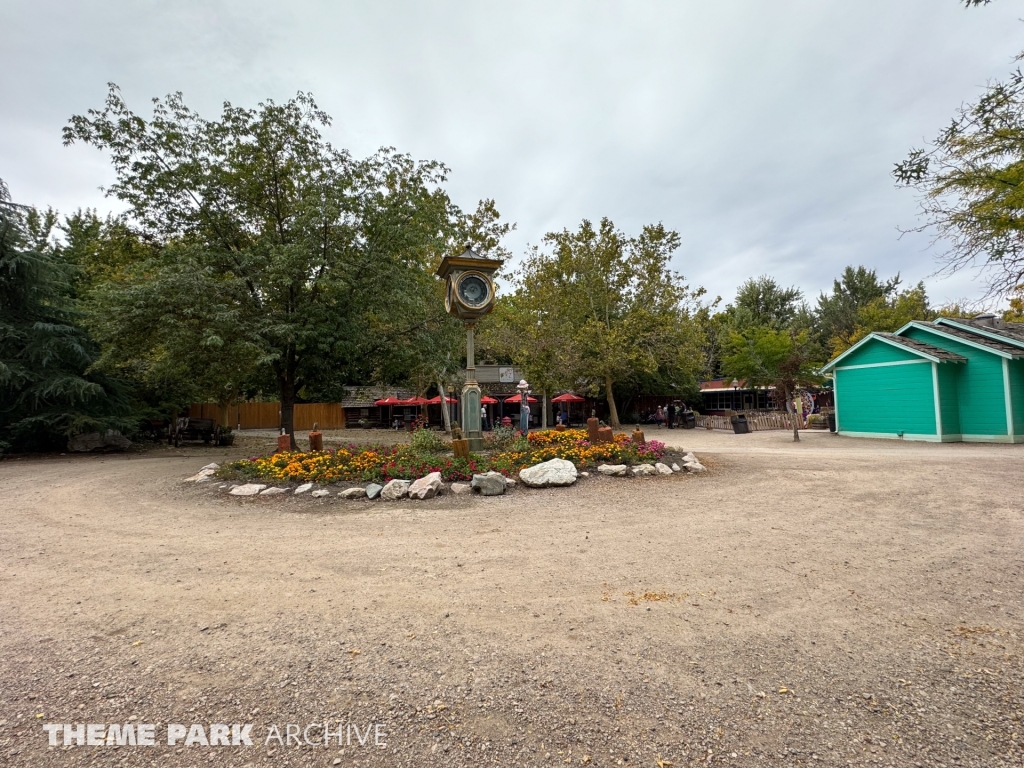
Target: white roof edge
<point x="831" y="363"/>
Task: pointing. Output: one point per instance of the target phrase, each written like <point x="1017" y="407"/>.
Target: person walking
<point x="671" y="415"/>
<point x="524" y="406"/>
<point x="483" y="418"/>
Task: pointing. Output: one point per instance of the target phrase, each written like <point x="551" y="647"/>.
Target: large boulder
<point x="319" y="493"/>
<point x="98" y="441"/>
<point x="489" y="484"/>
<point x="304" y="488"/>
<point x="613" y="470"/>
<point x="556" y="472"/>
<point x="426" y="487"/>
<point x="663" y="469"/>
<point x="461" y="488"/>
<point x="395" y="490"/>
<point x="249" y="489"/>
<point x="373" y="490"/>
<point x="353" y="493"/>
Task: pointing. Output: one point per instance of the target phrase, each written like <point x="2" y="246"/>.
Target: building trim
<point x="1007" y="399"/>
<point x="894" y="436"/>
<point x="938" y="401"/>
<point x="980" y="330"/>
<point x="882" y="365"/>
<point x="938" y="332"/>
<point x="890" y="342"/>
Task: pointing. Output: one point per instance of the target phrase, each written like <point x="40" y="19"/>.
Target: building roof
<point x="364" y="397"/>
<point x="928" y="349"/>
<point x="1011" y="332"/>
<point x="970" y="336"/>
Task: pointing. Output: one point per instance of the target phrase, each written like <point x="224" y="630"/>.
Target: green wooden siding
<point x="948" y="399"/>
<point x="1017" y="394"/>
<point x="886" y="400"/>
<point x="979" y="384"/>
<point x="876" y="351"/>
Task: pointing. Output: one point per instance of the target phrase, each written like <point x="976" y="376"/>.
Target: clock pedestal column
<point x="471" y="426"/>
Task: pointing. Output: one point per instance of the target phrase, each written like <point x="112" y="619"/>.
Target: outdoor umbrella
<point x="390" y="402"/>
<point x="515" y="399"/>
<point x="567" y="398"/>
<point x="488" y="400"/>
<point x="436" y="400"/>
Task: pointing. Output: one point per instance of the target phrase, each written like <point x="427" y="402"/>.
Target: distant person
<point x="671" y="415"/>
<point x="483" y="417"/>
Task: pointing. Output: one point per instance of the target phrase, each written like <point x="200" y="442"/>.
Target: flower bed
<point x="383" y="463"/>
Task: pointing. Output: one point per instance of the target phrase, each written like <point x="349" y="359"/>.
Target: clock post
<point x="469" y="296"/>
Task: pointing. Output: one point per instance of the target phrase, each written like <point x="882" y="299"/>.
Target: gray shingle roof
<point x="920" y="346"/>
<point x="1013" y="331"/>
<point x="978" y="338"/>
<point x="364" y="397"/>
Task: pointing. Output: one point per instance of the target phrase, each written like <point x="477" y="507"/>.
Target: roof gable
<point x="1010" y="333"/>
<point x="912" y="346"/>
<point x="971" y="339"/>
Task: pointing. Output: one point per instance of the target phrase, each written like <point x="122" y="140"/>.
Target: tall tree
<point x="272" y="248"/>
<point x="783" y="359"/>
<point x="761" y="301"/>
<point x="47" y="391"/>
<point x="610" y="303"/>
<point x="837" y="313"/>
<point x="970" y="184"/>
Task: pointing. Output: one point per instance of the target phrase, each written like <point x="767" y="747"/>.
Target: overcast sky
<point x="764" y="132"/>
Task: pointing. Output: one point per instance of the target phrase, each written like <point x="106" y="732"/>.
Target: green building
<point x="948" y="381"/>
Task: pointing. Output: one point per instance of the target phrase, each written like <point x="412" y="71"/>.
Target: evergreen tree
<point x="46" y="390"/>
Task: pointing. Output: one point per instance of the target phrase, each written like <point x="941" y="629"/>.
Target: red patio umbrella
<point x="436" y="400"/>
<point x="488" y="400"/>
<point x="515" y="399"/>
<point x="568" y="397"/>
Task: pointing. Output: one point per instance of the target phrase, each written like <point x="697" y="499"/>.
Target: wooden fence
<point x="268" y="415"/>
<point x="758" y="422"/>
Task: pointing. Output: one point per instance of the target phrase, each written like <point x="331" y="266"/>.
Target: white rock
<point x="320" y="493"/>
<point x="584" y="474"/>
<point x="663" y="469"/>
<point x="273" y="491"/>
<point x="695" y="466"/>
<point x="489" y="483"/>
<point x="690" y="457"/>
<point x="200" y="476"/>
<point x="641" y="470"/>
<point x="396" y="489"/>
<point x="304" y="488"/>
<point x="353" y="493"/>
<point x="460" y="489"/>
<point x="509" y="482"/>
<point x="212" y="465"/>
<point x="676" y="468"/>
<point x="425" y="487"/>
<point x="614" y="470"/>
<point x="556" y="472"/>
<point x="249" y="489"/>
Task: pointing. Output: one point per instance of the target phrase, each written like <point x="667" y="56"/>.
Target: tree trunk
<point x="286" y="380"/>
<point x="613" y="412"/>
<point x="445" y="417"/>
<point x="793" y="417"/>
<point x="544" y="411"/>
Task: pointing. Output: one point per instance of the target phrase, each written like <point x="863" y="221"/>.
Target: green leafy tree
<point x="601" y="307"/>
<point x="273" y="253"/>
<point x="837" y="313"/>
<point x="762" y="302"/>
<point x="970" y="184"/>
<point x="47" y="390"/>
<point x="783" y="359"/>
<point x="886" y="313"/>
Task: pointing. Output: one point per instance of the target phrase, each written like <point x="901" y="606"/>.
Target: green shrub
<point x="426" y="441"/>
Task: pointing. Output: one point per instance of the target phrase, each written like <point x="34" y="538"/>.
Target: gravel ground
<point x="832" y="602"/>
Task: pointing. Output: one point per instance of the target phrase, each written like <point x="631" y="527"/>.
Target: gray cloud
<point x="763" y="132"/>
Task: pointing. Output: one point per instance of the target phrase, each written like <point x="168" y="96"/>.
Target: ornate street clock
<point x="469" y="295"/>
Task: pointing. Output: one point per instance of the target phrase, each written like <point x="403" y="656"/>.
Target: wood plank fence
<point x="268" y="415"/>
<point x="758" y="422"/>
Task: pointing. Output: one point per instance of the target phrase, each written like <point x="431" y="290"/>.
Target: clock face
<point x="448" y="296"/>
<point x="473" y="291"/>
